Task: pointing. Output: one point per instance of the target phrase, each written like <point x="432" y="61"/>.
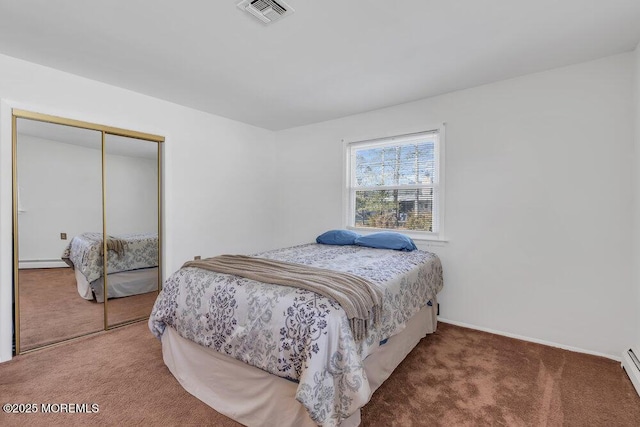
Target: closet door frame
<point x="30" y="115"/>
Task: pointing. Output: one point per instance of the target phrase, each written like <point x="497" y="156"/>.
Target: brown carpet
<point x="51" y="310"/>
<point x="455" y="377"/>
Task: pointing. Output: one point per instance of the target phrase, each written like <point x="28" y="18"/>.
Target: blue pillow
<point x="387" y="240"/>
<point x="338" y="237"/>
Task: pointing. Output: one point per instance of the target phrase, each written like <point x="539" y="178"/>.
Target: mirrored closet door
<point x="59" y="196"/>
<point x="131" y="200"/>
<point x="86" y="224"/>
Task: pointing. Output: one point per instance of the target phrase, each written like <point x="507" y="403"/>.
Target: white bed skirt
<point x="255" y="397"/>
<point x="123" y="284"/>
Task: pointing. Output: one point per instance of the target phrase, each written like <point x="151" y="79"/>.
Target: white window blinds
<point x="394" y="183"/>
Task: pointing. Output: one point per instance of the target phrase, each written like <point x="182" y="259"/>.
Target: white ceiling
<point x="331" y="58"/>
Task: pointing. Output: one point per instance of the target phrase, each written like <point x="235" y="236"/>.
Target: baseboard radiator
<point x="631" y="364"/>
<point x="41" y="263"/>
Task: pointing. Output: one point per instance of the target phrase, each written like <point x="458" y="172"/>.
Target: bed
<point x="266" y="354"/>
<point x="132" y="264"/>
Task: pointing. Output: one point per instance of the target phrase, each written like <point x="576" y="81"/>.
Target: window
<point x="395" y="184"/>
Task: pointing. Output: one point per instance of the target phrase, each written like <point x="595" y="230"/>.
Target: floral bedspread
<point x="84" y="253"/>
<point x="298" y="334"/>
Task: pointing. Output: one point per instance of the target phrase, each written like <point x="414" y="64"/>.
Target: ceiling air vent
<point x="267" y="11"/>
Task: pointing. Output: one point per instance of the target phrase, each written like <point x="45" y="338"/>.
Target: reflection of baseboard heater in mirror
<point x="41" y="263"/>
<point x="631" y="364"/>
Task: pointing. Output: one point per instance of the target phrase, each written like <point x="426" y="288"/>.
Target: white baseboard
<point x="631" y="368"/>
<point x="535" y="340"/>
<point x="41" y="263"/>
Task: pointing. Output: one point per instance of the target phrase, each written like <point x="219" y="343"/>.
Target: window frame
<point x="349" y="189"/>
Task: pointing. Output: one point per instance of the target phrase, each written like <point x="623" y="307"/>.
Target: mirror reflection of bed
<point x="59" y="181"/>
<point x="132" y="265"/>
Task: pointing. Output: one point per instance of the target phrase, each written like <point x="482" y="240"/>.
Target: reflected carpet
<point x="51" y="310"/>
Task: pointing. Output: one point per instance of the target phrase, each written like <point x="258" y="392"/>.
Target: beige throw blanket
<point x="114" y="244"/>
<point x="359" y="298"/>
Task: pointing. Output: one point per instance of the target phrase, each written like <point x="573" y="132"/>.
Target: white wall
<point x="538" y="206"/>
<point x="61" y="192"/>
<point x="219" y="173"/>
<point x="131" y="194"/>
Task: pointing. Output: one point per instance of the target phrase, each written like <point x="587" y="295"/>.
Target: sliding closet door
<point x="86" y="229"/>
<point x="132" y="227"/>
<point x="58" y="193"/>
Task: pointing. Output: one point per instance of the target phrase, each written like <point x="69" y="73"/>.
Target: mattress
<point x="84" y="253"/>
<point x="297" y="334"/>
<point x="132" y="268"/>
